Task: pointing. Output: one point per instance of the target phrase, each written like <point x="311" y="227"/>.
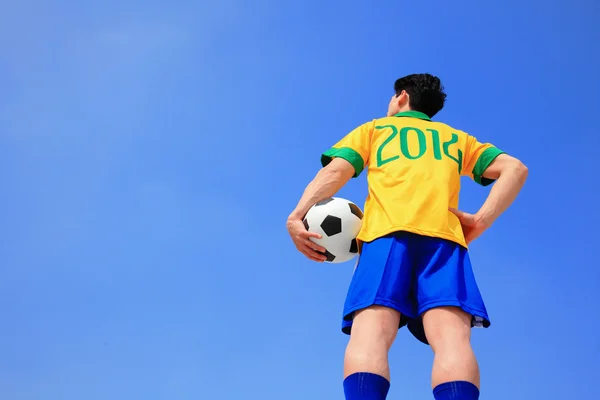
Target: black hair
<point x="425" y="91"/>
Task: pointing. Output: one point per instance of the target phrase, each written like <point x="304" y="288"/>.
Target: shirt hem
<point x="369" y="237"/>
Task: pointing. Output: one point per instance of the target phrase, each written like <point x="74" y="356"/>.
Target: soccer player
<point x="414" y="267"/>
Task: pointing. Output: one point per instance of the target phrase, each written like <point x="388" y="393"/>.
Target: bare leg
<point x="448" y="331"/>
<point x="373" y="332"/>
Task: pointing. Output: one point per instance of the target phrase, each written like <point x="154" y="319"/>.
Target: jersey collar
<point x="413" y="114"/>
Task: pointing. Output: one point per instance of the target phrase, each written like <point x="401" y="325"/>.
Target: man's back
<point x="414" y="167"/>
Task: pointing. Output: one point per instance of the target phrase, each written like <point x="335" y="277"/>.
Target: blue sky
<point x="151" y="152"/>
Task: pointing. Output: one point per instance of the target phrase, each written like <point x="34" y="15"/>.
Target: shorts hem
<point x="456" y="303"/>
<point x="376" y="302"/>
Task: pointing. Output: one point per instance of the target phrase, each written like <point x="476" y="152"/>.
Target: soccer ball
<point x="338" y="221"/>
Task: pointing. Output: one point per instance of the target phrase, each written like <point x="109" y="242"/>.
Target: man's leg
<point x="455" y="373"/>
<point x="366" y="368"/>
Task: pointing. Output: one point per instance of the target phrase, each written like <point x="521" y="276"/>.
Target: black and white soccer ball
<point x="338" y="221"/>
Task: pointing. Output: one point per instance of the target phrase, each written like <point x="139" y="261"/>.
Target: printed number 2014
<point x="435" y="139"/>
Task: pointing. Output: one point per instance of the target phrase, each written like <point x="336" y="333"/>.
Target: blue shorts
<point x="412" y="274"/>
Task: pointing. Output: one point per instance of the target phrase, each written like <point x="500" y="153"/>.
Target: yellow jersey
<point x="414" y="167"/>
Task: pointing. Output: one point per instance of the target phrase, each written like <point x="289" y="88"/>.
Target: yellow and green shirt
<point x="413" y="167"/>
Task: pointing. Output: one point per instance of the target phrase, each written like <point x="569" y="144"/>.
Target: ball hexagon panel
<point x="355" y="210"/>
<point x="324" y="202"/>
<point x="354" y="246"/>
<point x="330" y="257"/>
<point x="331" y="225"/>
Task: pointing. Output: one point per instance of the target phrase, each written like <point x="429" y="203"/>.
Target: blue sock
<point x="366" y="386"/>
<point x="457" y="390"/>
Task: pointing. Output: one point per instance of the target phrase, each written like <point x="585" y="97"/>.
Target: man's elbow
<point x="506" y="165"/>
<point x="520" y="169"/>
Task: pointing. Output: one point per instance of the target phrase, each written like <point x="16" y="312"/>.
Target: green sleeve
<point x="483" y="162"/>
<point x="348" y="154"/>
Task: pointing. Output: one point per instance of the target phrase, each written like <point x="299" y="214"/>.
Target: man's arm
<point x="343" y="161"/>
<point x="328" y="181"/>
<point x="510" y="175"/>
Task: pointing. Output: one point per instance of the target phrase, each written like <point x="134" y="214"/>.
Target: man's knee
<point x="448" y="330"/>
<point x="373" y="332"/>
<point x="447" y="327"/>
<point x="375" y="326"/>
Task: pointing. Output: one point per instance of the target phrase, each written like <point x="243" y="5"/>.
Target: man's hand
<point x="473" y="225"/>
<point x="301" y="237"/>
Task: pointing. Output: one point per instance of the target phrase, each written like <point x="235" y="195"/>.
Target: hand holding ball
<point x="338" y="221"/>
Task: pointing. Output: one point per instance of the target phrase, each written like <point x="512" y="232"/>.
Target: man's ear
<point x="403" y="99"/>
